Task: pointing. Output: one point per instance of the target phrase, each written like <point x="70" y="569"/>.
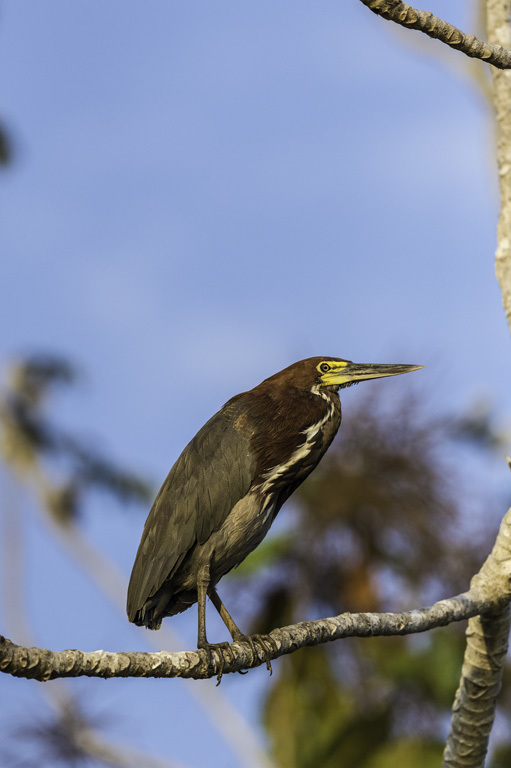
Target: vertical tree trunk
<point x="498" y="20"/>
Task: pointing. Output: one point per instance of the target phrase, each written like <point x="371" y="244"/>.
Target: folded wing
<point x="213" y="473"/>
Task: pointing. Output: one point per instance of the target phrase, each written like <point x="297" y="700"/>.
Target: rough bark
<point x="42" y="664"/>
<point x="485" y="654"/>
<point x="498" y="20"/>
<point x="433" y="26"/>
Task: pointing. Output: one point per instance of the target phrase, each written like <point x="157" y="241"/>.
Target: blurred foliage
<point x="62" y="467"/>
<point x="378" y="526"/>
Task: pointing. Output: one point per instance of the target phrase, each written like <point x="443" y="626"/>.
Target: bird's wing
<point x="213" y="473"/>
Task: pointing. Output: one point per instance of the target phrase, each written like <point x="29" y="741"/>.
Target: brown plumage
<point x="223" y="493"/>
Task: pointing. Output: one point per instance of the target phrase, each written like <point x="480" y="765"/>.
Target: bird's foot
<point x="222" y="648"/>
<point x="262" y="641"/>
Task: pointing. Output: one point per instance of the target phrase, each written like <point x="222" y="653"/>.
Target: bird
<point x="225" y="490"/>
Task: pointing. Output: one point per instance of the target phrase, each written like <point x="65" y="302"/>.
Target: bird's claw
<point x="222" y="648"/>
<point x="261" y="641"/>
<point x="225" y="650"/>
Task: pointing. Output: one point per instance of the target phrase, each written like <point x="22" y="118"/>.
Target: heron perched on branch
<point x="225" y="490"/>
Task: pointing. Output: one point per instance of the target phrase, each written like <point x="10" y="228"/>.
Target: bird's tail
<point x="145" y="616"/>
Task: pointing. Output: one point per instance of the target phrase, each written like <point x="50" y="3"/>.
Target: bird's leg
<point x="202" y="640"/>
<point x="236" y="632"/>
<point x="202" y="589"/>
<point x="226" y="617"/>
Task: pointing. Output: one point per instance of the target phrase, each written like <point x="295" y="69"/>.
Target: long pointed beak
<point x="351" y="372"/>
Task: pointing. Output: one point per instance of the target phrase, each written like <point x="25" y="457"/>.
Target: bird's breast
<point x="305" y="451"/>
<point x="244" y="529"/>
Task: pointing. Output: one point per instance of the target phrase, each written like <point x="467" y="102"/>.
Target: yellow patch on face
<point x="331" y="372"/>
<point x="333" y="365"/>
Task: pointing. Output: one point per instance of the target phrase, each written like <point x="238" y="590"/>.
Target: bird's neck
<point x="306" y="422"/>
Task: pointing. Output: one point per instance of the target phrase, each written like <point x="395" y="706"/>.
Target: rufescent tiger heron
<point x="225" y="490"/>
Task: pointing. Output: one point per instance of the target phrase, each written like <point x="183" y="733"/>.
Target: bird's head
<point x="333" y="373"/>
<point x="337" y="373"/>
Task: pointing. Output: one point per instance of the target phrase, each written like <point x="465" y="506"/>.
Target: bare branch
<point x="489" y="596"/>
<point x="463" y="67"/>
<point x="41" y="664"/>
<point x="433" y="26"/>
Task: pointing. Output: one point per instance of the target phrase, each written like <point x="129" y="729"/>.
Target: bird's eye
<point x="324" y="367"/>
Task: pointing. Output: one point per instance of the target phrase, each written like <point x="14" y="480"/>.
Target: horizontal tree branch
<point x="489" y="595"/>
<point x="433" y="26"/>
<point x="42" y="664"/>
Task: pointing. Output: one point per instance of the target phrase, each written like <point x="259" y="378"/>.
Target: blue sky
<point x="202" y="194"/>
